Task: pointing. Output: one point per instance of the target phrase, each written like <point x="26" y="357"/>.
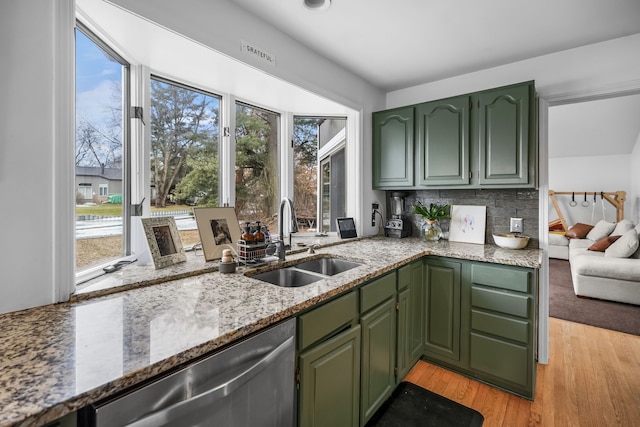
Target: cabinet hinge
<point x="397" y="306"/>
<point x="470" y="174"/>
<point x="298" y="377"/>
<point x="470" y="105"/>
<point x="395" y="372"/>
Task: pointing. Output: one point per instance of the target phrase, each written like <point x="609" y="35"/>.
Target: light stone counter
<point x="58" y="358"/>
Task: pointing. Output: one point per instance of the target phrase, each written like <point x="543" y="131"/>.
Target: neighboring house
<point x="97" y="181"/>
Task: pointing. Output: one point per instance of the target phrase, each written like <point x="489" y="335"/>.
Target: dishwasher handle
<point x="174" y="413"/>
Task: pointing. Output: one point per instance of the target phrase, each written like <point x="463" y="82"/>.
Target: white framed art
<point x="468" y="224"/>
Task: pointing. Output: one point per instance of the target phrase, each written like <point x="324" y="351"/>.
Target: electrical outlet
<point x="374" y="208"/>
<point x="516" y="225"/>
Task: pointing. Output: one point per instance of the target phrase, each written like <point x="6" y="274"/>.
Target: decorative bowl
<point x="511" y="241"/>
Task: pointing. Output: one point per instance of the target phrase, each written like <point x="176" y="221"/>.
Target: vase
<point x="431" y="230"/>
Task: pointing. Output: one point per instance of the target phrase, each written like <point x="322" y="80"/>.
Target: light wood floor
<point x="592" y="379"/>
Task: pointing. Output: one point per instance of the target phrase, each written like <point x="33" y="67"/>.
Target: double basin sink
<point x="305" y="272"/>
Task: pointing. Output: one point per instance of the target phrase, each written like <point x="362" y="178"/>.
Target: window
<point x="185" y="137"/>
<point x="104" y="190"/>
<point x="319" y="172"/>
<point x="256" y="167"/>
<point x="101" y="141"/>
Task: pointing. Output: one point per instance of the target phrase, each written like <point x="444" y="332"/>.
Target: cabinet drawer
<point x="404" y="276"/>
<point x="327" y="319"/>
<point x="502" y="302"/>
<point x="377" y="291"/>
<point x="511" y="278"/>
<point x="513" y="329"/>
<point x="500" y="359"/>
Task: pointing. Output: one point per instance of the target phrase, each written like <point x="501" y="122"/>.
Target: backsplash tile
<point x="501" y="206"/>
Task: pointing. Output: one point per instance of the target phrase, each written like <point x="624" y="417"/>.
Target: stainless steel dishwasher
<point x="251" y="383"/>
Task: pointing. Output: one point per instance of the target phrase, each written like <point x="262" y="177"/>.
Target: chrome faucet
<point x="293" y="227"/>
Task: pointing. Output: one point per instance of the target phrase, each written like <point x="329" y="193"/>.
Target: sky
<point x="95" y="76"/>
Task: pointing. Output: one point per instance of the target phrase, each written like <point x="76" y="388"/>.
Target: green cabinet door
<point x="330" y="382"/>
<point x="442" y="310"/>
<point x="392" y="152"/>
<point x="442" y="156"/>
<point x="378" y="358"/>
<point x="410" y="318"/>
<point x="506" y="144"/>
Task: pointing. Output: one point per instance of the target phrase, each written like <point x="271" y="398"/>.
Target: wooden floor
<point x="592" y="379"/>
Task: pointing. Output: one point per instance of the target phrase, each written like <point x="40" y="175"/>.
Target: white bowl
<point x="510" y="241"/>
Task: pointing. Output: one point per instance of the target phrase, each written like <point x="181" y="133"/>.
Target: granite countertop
<point x="58" y="358"/>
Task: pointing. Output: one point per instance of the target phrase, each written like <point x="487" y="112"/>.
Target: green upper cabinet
<point x="480" y="140"/>
<point x="393" y="135"/>
<point x="504" y="117"/>
<point x="442" y="145"/>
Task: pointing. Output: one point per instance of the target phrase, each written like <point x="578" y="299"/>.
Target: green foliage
<point x="433" y="212"/>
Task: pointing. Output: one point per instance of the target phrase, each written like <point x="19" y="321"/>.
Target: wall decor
<point x="164" y="241"/>
<point x="468" y="223"/>
<point x="218" y="229"/>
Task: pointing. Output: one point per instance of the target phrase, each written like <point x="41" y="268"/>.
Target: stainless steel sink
<point x="327" y="266"/>
<point x="305" y="272"/>
<point x="288" y="277"/>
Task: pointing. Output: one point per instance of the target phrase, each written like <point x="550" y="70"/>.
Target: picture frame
<point x="468" y="224"/>
<point x="164" y="241"/>
<point x="218" y="229"/>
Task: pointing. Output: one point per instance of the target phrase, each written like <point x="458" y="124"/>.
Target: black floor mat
<point x="413" y="406"/>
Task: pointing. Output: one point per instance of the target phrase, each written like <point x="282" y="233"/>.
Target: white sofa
<point x="607" y="275"/>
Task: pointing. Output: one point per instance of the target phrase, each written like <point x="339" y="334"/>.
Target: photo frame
<point x="218" y="229"/>
<point x="164" y="241"/>
<point x="468" y="224"/>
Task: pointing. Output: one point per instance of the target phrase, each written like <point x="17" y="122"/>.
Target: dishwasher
<point x="251" y="383"/>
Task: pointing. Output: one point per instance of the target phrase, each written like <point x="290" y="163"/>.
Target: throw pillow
<point x="579" y="231"/>
<point x="602" y="244"/>
<point x="622" y="227"/>
<point x="624" y="247"/>
<point x="602" y="229"/>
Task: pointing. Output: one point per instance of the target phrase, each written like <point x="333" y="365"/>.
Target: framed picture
<point x="218" y="229"/>
<point x="164" y="241"/>
<point x="467" y="224"/>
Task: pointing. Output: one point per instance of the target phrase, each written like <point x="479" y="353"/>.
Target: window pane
<point x="184" y="153"/>
<point x="99" y="153"/>
<point x="257" y="165"/>
<point x="319" y="139"/>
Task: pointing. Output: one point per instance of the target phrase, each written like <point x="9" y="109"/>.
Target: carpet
<point x="414" y="406"/>
<point x="564" y="304"/>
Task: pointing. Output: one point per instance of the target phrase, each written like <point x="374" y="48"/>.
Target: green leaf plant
<point x="432" y="213"/>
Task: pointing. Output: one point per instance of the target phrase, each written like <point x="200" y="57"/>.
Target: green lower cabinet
<point x="330" y="382"/>
<point x="378" y="358"/>
<point x="442" y="301"/>
<point x="480" y="321"/>
<point x="502" y="341"/>
<point x="378" y="324"/>
<point x="410" y="318"/>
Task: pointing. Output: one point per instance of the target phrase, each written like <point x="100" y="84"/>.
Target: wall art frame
<point x="218" y="229"/>
<point x="164" y="241"/>
<point x="468" y="224"/>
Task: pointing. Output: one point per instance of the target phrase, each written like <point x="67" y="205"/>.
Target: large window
<point x="319" y="172"/>
<point x="101" y="140"/>
<point x="185" y="138"/>
<point x="256" y="167"/>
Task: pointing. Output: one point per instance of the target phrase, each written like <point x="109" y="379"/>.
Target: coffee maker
<point x="398" y="226"/>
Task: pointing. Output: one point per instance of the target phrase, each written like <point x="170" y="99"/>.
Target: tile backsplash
<point x="501" y="206"/>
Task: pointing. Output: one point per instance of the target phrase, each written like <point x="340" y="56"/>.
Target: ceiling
<point x="402" y="43"/>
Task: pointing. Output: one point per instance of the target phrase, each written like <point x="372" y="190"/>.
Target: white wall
<point x="29" y="145"/>
<point x="633" y="198"/>
<point x="596" y="67"/>
<point x="593" y="173"/>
